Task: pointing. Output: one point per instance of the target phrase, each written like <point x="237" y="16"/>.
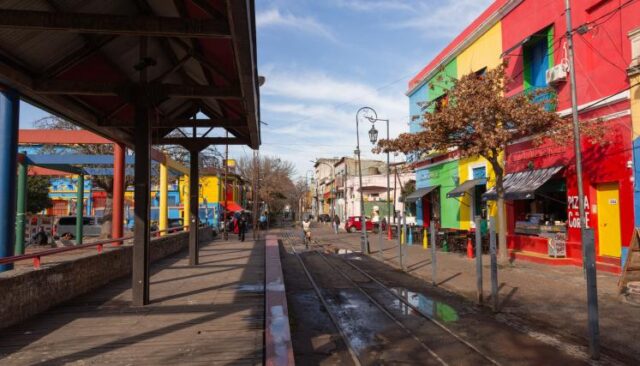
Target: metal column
<point x="117" y="215"/>
<point x="140" y="280"/>
<point x="21" y="206"/>
<point x="79" y="208"/>
<point x="194" y="180"/>
<point x="9" y="124"/>
<point x="163" y="214"/>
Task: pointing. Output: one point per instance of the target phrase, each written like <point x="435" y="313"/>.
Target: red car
<point x="353" y="224"/>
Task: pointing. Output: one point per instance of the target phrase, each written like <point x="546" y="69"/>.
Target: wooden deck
<point x="204" y="315"/>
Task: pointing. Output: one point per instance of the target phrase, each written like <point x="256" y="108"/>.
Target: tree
<point x="480" y="120"/>
<point x="275" y="186"/>
<point x="38" y="194"/>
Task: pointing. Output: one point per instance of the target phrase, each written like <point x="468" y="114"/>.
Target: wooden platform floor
<point x="205" y="315"/>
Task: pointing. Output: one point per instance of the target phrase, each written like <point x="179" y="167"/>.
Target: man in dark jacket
<point x="242" y="226"/>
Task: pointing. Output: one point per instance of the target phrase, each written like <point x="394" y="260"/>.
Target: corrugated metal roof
<point x="523" y="185"/>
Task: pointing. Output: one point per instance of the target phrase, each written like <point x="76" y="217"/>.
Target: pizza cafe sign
<point x="573" y="212"/>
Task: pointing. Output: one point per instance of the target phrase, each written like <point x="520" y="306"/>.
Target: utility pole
<point x="588" y="248"/>
<point x="226" y="202"/>
<point x="255" y="175"/>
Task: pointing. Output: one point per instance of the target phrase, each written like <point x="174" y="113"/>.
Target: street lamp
<point x="364" y="114"/>
<point x="373" y="137"/>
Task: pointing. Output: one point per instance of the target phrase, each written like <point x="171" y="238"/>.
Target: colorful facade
<point x="530" y="36"/>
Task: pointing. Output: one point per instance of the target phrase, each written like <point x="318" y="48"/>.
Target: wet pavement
<point x="473" y="335"/>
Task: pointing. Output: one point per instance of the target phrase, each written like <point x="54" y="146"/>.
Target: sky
<point x="323" y="60"/>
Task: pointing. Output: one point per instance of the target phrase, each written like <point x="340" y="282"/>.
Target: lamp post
<point x="308" y="181"/>
<point x="373" y="137"/>
<point x="363" y="114"/>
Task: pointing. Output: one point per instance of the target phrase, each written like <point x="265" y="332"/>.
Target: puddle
<point x="429" y="307"/>
<point x="258" y="288"/>
<point x="359" y="320"/>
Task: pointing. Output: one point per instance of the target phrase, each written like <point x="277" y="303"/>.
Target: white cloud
<point x="311" y="114"/>
<point x="375" y="5"/>
<point x="275" y="18"/>
<point x="443" y="19"/>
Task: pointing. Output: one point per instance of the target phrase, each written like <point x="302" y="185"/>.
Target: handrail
<point x="99" y="244"/>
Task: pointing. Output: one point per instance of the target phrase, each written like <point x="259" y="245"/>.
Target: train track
<point x="456" y="347"/>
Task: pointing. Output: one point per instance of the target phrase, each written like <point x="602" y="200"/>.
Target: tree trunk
<point x="502" y="222"/>
<point x="107" y="218"/>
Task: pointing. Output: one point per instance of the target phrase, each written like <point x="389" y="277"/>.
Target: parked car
<point x="324" y="218"/>
<point x="65" y="227"/>
<point x="353" y="224"/>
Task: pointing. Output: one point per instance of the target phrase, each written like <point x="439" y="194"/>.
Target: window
<point x="479" y="172"/>
<point x="538" y="57"/>
<point x="441" y="102"/>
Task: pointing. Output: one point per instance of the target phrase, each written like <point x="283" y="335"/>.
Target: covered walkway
<point x="212" y="313"/>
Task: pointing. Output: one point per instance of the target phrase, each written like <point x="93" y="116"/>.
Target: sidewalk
<point x="212" y="313"/>
<point x="551" y="299"/>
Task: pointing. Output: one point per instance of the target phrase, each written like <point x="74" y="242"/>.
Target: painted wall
<point x="444" y="175"/>
<point x="484" y="52"/>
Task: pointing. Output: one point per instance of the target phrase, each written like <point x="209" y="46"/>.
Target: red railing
<point x="98" y="244"/>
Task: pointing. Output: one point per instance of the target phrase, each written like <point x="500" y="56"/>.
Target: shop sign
<point x="530" y="154"/>
<point x="573" y="213"/>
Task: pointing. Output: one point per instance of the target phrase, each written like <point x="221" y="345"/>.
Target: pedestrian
<point x="263" y="221"/>
<point x="242" y="227"/>
<point x="336" y="224"/>
<point x="306" y="230"/>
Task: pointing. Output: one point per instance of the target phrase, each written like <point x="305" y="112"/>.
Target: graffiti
<point x="573" y="214"/>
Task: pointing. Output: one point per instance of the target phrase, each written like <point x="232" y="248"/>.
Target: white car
<point x="66" y="226"/>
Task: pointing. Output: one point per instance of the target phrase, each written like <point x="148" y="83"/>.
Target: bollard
<point x="410" y="236"/>
<point x="424" y="238"/>
<point x="400" y="245"/>
<point x="380" y="239"/>
<point x="478" y="261"/>
<point x="445" y="245"/>
<point x="432" y="228"/>
<point x="401" y="228"/>
<point x="494" y="264"/>
<point x="389" y="233"/>
<point x="469" y="249"/>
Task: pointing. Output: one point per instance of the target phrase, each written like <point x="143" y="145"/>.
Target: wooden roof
<point x="91" y="61"/>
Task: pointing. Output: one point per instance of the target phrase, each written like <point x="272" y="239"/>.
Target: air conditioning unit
<point x="557" y="74"/>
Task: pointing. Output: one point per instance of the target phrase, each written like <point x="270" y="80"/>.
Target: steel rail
<point x="419" y="311"/>
<point x="352" y="352"/>
<point x="384" y="310"/>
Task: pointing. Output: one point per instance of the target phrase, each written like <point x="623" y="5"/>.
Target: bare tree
<point x="275" y="186"/>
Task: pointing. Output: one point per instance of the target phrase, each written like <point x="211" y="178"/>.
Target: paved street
<point x="545" y="300"/>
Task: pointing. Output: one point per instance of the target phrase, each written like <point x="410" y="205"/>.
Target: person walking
<point x="336" y="223"/>
<point x="306" y="229"/>
<point x="242" y="227"/>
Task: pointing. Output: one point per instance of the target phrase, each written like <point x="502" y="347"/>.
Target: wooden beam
<point x="93" y="46"/>
<point x="209" y="9"/>
<point x="238" y="124"/>
<point x="152" y="26"/>
<point x="128" y="89"/>
<point x="242" y="24"/>
<point x="197" y="142"/>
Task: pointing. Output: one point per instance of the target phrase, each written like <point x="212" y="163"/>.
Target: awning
<point x="523" y="185"/>
<point x="418" y="194"/>
<point x="231" y="206"/>
<point x="460" y="190"/>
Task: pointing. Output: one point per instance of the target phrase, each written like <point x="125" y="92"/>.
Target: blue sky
<point x="325" y="59"/>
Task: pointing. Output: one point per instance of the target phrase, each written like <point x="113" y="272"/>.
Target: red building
<point x="534" y="40"/>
